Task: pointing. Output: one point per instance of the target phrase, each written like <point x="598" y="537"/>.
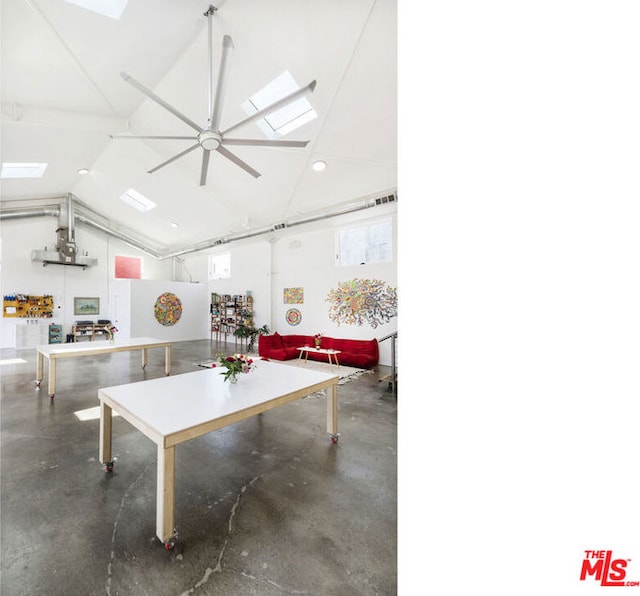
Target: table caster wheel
<point x="108" y="466"/>
<point x="38" y="383"/>
<point x="170" y="544"/>
<point x="334" y="438"/>
<point x="51" y="398"/>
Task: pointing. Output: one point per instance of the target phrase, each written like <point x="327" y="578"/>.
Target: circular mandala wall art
<point x="293" y="316"/>
<point x="168" y="309"/>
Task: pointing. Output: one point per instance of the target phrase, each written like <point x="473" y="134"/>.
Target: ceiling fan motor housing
<point x="209" y="140"/>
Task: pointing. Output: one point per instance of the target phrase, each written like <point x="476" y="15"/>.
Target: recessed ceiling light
<point x="83" y="171"/>
<point x="319" y="165"/>
<point x="23" y="170"/>
<point x="134" y="199"/>
<point x="174" y="224"/>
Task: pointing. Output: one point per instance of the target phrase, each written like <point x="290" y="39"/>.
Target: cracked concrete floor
<point x="266" y="506"/>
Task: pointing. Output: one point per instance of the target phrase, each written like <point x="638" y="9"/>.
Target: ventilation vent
<point x="387" y="199"/>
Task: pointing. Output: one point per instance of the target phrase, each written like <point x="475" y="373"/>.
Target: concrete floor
<point x="266" y="506"/>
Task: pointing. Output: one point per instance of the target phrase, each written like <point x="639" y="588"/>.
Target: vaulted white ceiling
<point x="63" y="96"/>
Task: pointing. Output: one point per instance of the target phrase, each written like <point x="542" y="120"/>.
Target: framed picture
<point x="86" y="306"/>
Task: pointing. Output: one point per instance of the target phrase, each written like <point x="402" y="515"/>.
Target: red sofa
<point x="354" y="352"/>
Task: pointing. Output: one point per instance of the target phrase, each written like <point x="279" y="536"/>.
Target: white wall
<point x="193" y="323"/>
<point x="308" y="260"/>
<point x="21" y="275"/>
<point x="301" y="258"/>
<point x="297" y="257"/>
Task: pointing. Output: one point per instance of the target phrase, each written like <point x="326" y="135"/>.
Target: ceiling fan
<point x="210" y="137"/>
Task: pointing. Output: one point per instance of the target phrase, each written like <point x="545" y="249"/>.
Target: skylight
<point x="107" y="8"/>
<point x="134" y="199"/>
<point x="23" y="170"/>
<point x="286" y="119"/>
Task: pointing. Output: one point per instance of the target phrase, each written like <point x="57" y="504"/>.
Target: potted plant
<point x="251" y="333"/>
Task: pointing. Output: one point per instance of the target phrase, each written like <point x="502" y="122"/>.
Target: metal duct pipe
<point x="49" y="210"/>
<point x="367" y="204"/>
<point x="70" y="220"/>
<point x="55" y="210"/>
<point x="119" y="235"/>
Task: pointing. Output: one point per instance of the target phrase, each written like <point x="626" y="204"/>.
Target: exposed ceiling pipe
<point x="367" y="204"/>
<point x="85" y="216"/>
<point x="49" y="210"/>
<point x="116" y="234"/>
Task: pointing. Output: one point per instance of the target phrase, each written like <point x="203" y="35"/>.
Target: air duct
<point x="66" y="250"/>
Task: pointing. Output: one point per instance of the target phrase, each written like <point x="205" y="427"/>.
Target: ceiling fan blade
<point x="274" y="106"/>
<point x="216" y="108"/>
<point x="205" y="167"/>
<point x="236" y="160"/>
<point x="265" y="143"/>
<point x="152" y="137"/>
<point x="151" y="95"/>
<point x="165" y="163"/>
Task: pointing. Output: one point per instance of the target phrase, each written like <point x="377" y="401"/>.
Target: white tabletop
<point x="319" y="350"/>
<point x="170" y="405"/>
<point x="100" y="345"/>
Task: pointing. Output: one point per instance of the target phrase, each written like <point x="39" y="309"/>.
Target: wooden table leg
<point x="52" y="376"/>
<point x="167" y="360"/>
<point x="105" y="434"/>
<point x="332" y="412"/>
<point x="165" y="492"/>
<point x="144" y="357"/>
<point x="39" y="369"/>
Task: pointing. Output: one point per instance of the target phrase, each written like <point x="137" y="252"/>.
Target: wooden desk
<point x="74" y="350"/>
<point x="176" y="409"/>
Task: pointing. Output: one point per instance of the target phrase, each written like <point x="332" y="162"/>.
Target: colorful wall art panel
<point x="293" y="295"/>
<point x="293" y="316"/>
<point x="128" y="267"/>
<point x="168" y="309"/>
<point x="360" y="301"/>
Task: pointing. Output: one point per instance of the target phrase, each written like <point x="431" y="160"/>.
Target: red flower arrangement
<point x="234" y="365"/>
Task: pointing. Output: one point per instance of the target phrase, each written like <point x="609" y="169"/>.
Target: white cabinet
<point x="32" y="333"/>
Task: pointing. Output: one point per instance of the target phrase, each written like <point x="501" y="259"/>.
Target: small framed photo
<point x="86" y="306"/>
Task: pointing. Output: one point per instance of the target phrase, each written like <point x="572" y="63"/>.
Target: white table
<point x="53" y="352"/>
<point x="306" y="349"/>
<point x="172" y="410"/>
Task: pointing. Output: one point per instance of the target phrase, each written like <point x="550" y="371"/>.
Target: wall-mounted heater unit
<point x="66" y="250"/>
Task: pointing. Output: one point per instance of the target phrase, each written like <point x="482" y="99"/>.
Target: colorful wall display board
<point x="360" y="301"/>
<point x="25" y="306"/>
<point x="293" y="295"/>
<point x="293" y="316"/>
<point x="167" y="309"/>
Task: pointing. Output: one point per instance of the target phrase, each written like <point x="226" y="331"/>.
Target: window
<point x="107" y="8"/>
<point x="365" y="244"/>
<point x="219" y="266"/>
<point x="23" y="170"/>
<point x="138" y="201"/>
<point x="286" y="119"/>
